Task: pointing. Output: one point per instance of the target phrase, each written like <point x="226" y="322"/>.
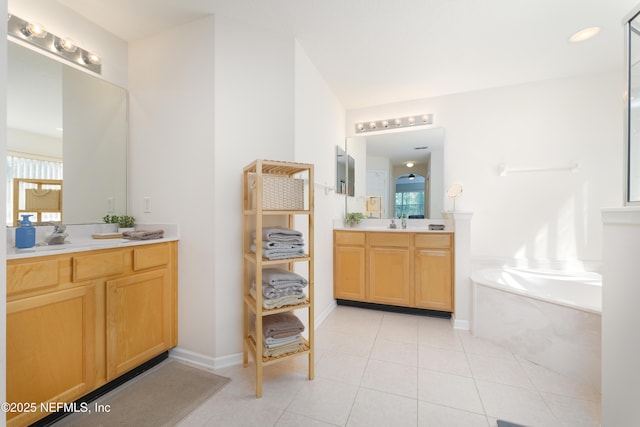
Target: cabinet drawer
<point x="29" y="276"/>
<point x="433" y="240"/>
<point x="389" y="239"/>
<point x="149" y="257"/>
<point x="87" y="267"/>
<point x="349" y="238"/>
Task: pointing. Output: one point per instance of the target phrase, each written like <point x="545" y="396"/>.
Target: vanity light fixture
<point x="584" y="34"/>
<point x="411" y="176"/>
<point x="64" y="47"/>
<point x="394" y="123"/>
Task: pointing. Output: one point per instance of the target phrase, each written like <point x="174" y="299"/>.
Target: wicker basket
<point x="281" y="193"/>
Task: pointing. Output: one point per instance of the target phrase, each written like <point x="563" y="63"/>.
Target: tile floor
<point x="385" y="369"/>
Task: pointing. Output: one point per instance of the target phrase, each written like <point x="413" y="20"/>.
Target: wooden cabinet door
<point x="50" y="349"/>
<point x="349" y="273"/>
<point x="433" y="279"/>
<point x="138" y="320"/>
<point x="389" y="276"/>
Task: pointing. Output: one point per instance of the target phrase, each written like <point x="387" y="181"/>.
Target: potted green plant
<point x="353" y="218"/>
<point x="126" y="223"/>
<point x="110" y="219"/>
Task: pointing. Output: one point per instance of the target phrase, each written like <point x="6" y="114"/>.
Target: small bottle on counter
<point x="393" y="224"/>
<point x="25" y="233"/>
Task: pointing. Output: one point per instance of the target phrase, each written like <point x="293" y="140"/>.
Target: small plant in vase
<point x="353" y="218"/>
<point x="126" y="223"/>
<point x="123" y="222"/>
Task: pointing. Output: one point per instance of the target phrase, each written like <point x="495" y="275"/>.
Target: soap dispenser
<point x="25" y="233"/>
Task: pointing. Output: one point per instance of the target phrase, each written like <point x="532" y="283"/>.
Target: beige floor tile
<point x="295" y="420"/>
<point x="499" y="370"/>
<point x="443" y="360"/>
<point x="431" y="415"/>
<point x="574" y="411"/>
<point x="484" y="347"/>
<point x="399" y="327"/>
<point x="324" y="400"/>
<point x="449" y="390"/>
<point x="392" y="378"/>
<point x="397" y="352"/>
<point x="548" y="381"/>
<point x="515" y="404"/>
<point x="341" y="367"/>
<point x="377" y="409"/>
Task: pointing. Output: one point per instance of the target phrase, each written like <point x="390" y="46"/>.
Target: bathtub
<point x="551" y="318"/>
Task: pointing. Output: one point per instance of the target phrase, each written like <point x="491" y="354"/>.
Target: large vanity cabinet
<point x="76" y="321"/>
<point x="399" y="268"/>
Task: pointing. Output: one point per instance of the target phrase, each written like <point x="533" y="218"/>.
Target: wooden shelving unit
<point x="255" y="216"/>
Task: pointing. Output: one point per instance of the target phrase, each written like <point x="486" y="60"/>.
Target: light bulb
<point x="91" y="58"/>
<point x="34" y="30"/>
<point x="66" y="44"/>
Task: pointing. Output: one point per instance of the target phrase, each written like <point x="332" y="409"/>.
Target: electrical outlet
<point x="146" y="203"/>
<point x="110" y="207"/>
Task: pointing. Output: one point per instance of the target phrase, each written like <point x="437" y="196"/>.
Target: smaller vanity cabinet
<point x="76" y="321"/>
<point x="349" y="265"/>
<point x="398" y="268"/>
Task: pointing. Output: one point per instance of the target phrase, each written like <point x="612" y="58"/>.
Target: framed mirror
<point x="341" y="170"/>
<point x="632" y="130"/>
<point x="64" y="125"/>
<point x="398" y="173"/>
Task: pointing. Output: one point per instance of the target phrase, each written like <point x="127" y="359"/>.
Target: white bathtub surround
<point x="461" y="317"/>
<point x="551" y="318"/>
<point x="620" y="316"/>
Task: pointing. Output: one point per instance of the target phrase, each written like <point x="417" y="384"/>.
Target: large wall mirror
<point x="64" y="125"/>
<point x="633" y="107"/>
<point x="398" y="174"/>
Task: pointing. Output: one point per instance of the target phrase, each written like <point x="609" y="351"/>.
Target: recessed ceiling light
<point x="584" y="34"/>
<point x="409" y="164"/>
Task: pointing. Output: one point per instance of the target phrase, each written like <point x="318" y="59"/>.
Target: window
<point x="21" y="167"/>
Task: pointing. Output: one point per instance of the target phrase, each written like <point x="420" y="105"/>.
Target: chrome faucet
<point x="58" y="236"/>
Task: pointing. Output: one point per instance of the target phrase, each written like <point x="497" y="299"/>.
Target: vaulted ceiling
<point x="380" y="51"/>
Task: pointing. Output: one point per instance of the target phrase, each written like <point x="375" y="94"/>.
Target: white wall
<point x="171" y="157"/>
<point x="319" y="127"/>
<point x="254" y="105"/>
<point x="541" y="216"/>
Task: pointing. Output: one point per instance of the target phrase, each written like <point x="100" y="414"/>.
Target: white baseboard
<point x="463" y="325"/>
<point x="204" y="361"/>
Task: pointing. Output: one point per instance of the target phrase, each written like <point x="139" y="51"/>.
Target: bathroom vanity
<point x="78" y="318"/>
<point x="404" y="268"/>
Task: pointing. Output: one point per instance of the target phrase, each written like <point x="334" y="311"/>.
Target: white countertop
<point x="382" y="225"/>
<point x="80" y="239"/>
